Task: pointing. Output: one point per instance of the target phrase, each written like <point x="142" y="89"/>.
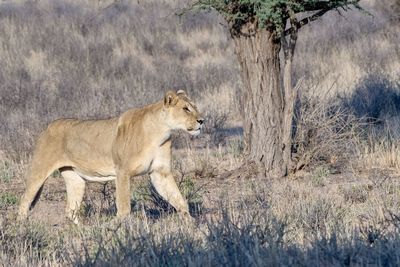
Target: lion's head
<point x="182" y="113"/>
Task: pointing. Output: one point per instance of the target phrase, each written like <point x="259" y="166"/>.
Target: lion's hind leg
<point x="34" y="185"/>
<point x="75" y="185"/>
<point x="45" y="160"/>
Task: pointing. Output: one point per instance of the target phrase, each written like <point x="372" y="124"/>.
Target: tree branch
<point x="326" y="5"/>
<point x="305" y="21"/>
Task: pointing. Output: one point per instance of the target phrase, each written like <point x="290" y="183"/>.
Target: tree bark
<point x="262" y="113"/>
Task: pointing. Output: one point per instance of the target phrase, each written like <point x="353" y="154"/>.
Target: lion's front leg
<point x="166" y="186"/>
<point x="123" y="184"/>
<point x="123" y="194"/>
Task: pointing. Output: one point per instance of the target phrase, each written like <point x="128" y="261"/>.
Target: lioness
<point x="135" y="143"/>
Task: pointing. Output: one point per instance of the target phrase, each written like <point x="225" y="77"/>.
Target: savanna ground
<point x="86" y="59"/>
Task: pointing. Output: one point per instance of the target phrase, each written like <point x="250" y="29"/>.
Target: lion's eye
<point x="186" y="109"/>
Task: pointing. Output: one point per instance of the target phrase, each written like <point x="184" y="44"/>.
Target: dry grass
<point x="382" y="152"/>
<point x="341" y="209"/>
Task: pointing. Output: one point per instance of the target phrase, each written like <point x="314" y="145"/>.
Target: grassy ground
<point x="340" y="208"/>
<point x="313" y="218"/>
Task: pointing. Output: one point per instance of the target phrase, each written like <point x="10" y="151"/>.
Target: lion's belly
<point x="108" y="176"/>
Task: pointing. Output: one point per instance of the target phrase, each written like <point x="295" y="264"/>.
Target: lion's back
<point x="79" y="139"/>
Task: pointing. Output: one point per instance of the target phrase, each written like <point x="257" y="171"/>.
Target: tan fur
<point x="135" y="143"/>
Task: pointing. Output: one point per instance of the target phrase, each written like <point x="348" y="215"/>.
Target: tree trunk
<point x="288" y="110"/>
<point x="262" y="113"/>
<point x="290" y="95"/>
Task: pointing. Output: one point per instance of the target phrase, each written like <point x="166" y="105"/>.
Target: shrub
<point x="356" y="193"/>
<point x="325" y="132"/>
<point x="375" y="98"/>
<point x="146" y="196"/>
<point x="6" y="171"/>
<point x="319" y="175"/>
<point x="7" y="199"/>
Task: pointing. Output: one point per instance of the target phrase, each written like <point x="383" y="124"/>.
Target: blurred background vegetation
<point x="90" y="59"/>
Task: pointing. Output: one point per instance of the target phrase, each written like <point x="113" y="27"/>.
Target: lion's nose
<point x="201" y="120"/>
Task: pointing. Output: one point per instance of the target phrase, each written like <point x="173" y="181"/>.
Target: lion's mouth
<point x="194" y="131"/>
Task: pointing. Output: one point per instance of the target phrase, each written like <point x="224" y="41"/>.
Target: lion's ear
<point x="181" y="92"/>
<point x="170" y="99"/>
